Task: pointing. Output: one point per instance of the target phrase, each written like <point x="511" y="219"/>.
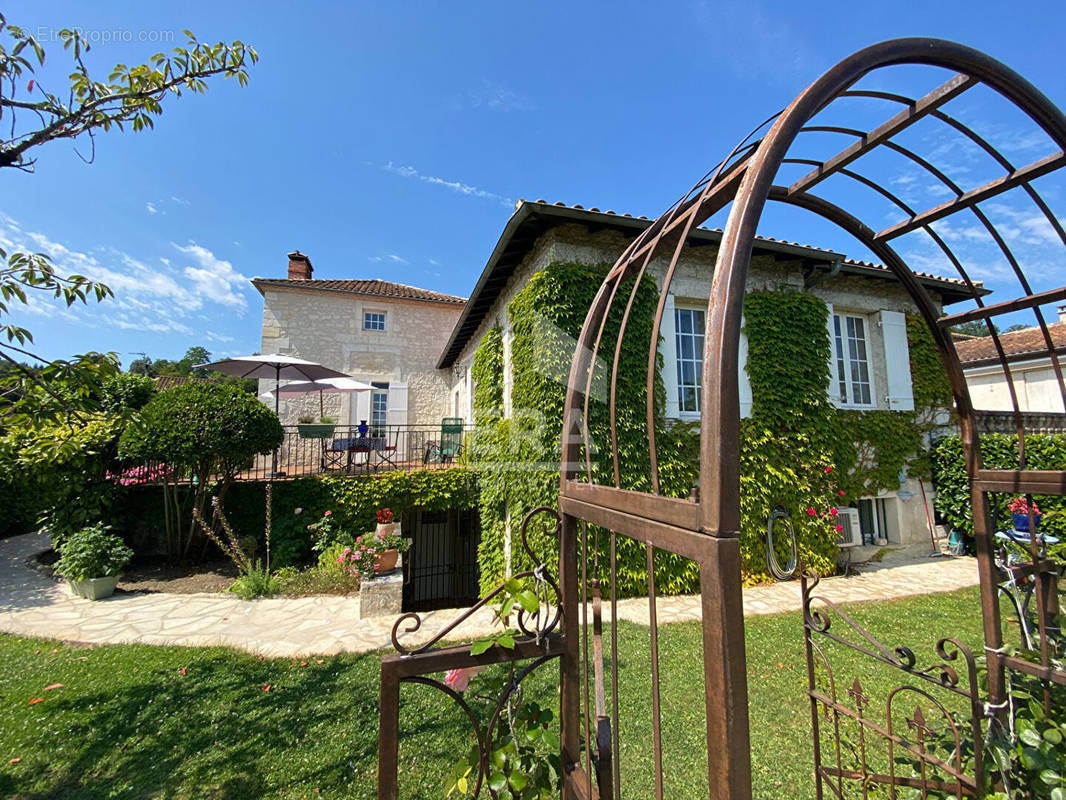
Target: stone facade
<point x="327" y="327"/>
<point x="902" y="513"/>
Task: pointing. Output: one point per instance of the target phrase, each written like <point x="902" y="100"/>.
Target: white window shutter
<point x="834" y="380"/>
<point x="360" y="407"/>
<point x="396" y="411"/>
<point x="742" y="374"/>
<point x="669" y="350"/>
<point x="897" y="361"/>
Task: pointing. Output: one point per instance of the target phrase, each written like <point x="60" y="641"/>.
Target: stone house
<point x="382" y="333"/>
<point x="389" y="334"/>
<point x="870" y="369"/>
<point x="1036" y="385"/>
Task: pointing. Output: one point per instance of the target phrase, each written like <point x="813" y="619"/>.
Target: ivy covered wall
<point x="790" y="452"/>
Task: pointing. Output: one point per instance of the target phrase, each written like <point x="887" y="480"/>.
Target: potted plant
<point x="374" y="555"/>
<point x="309" y="429"/>
<point x="386" y="525"/>
<point x="1019" y="509"/>
<point x="92" y="561"/>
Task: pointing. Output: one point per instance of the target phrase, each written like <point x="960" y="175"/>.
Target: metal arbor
<point x="706" y="530"/>
<point x="705" y="527"/>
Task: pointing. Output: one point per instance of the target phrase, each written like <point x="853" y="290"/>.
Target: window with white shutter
<point x="900" y="395"/>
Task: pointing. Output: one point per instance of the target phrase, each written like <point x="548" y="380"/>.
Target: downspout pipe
<point x="834" y="269"/>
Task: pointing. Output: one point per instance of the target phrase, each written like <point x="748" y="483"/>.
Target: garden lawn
<point x="136" y="721"/>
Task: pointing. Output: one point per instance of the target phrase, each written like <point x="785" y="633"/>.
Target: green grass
<point x="127" y="723"/>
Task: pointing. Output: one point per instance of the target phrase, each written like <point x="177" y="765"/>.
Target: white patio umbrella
<point x="332" y="385"/>
<point x="276" y="366"/>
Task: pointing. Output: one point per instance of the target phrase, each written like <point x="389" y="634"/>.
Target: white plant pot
<point x="95" y="588"/>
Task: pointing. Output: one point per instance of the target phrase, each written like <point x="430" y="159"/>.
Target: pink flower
<point x="839" y="528"/>
<point x="841" y="492"/>
<point x="308" y="527"/>
<point x="833" y="511"/>
<point x="828" y="470"/>
<point x="811" y="512"/>
<point x="459" y="679"/>
<point x="358" y="539"/>
<point x="328" y="514"/>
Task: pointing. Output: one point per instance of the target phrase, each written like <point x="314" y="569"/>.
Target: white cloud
<point x="151" y="208"/>
<point x="214" y="278"/>
<point x="159" y="298"/>
<point x="395" y="259"/>
<point x="495" y="97"/>
<point x="455" y="186"/>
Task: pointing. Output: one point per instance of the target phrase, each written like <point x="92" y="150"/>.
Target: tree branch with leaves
<point x="130" y="95"/>
<point x="32" y="115"/>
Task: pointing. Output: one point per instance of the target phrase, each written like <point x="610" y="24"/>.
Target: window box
<point x="316" y="430"/>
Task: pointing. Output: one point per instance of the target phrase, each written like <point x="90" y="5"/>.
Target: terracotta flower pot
<point x="386" y="561"/>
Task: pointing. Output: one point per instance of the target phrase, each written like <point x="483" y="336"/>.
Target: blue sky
<point x="391" y="140"/>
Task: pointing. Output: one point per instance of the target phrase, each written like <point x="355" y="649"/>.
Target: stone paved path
<point x="33" y="605"/>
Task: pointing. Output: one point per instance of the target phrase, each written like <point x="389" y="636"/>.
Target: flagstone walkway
<point x="31" y="604"/>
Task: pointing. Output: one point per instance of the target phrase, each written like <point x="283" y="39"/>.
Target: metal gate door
<point x="441" y="569"/>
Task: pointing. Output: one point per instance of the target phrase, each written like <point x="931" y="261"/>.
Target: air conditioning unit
<point x="851" y="533"/>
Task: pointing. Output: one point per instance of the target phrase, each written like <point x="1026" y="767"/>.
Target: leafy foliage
<point x="487" y="373"/>
<point x="998" y="451"/>
<point x="92" y="552"/>
<point x="794" y="435"/>
<point x="205" y="428"/>
<point x="1034" y="757"/>
<point x="788" y="360"/>
<point x="131" y="94"/>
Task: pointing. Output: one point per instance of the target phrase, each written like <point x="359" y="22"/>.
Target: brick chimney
<point x="300" y="268"/>
<point x="1062" y="313"/>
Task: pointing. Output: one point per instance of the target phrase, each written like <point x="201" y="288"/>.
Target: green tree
<point x="204" y="431"/>
<point x="32" y="116"/>
<point x="976" y="327"/>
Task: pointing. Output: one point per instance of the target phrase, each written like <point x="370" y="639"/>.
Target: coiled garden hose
<point x="788" y="571"/>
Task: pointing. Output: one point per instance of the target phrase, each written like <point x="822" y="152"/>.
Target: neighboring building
<point x="1035" y="383"/>
<point x="382" y="333"/>
<point x="871" y="366"/>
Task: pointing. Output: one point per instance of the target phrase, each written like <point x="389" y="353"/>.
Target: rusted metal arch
<point x="707" y="531"/>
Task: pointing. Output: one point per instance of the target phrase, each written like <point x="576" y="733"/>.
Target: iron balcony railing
<point x="334" y="449"/>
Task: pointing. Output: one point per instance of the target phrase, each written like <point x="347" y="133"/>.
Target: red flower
<point x="841" y="492"/>
<point x="828" y="470"/>
<point x="839" y="528"/>
<point x="811" y="512"/>
<point x="833" y="511"/>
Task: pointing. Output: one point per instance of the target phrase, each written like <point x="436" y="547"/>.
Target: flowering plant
<point x="326" y="533"/>
<point x="1019" y="505"/>
<point x="136" y="476"/>
<point x="385" y="516"/>
<point x="362" y="556"/>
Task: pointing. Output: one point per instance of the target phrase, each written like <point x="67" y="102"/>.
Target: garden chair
<point x="450" y="445"/>
<point x="386" y="446"/>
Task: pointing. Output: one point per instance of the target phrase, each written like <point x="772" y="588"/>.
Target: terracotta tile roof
<point x="1016" y="345"/>
<point x="531" y="218"/>
<point x="375" y="288"/>
<point x="772" y="240"/>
